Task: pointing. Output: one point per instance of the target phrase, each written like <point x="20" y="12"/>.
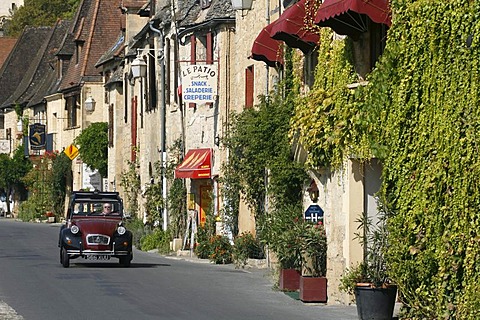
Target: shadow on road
<point x="116" y="265"/>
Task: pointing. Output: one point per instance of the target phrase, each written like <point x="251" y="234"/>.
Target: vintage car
<point x="95" y="229"/>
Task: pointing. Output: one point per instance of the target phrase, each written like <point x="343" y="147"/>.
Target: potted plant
<point x="288" y="252"/>
<point x="368" y="281"/>
<point x="313" y="283"/>
<point x="280" y="234"/>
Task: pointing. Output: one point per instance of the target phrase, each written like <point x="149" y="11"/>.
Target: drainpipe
<point x="163" y="150"/>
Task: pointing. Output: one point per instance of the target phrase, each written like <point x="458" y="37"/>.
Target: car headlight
<point x="121" y="230"/>
<point x="74" y="229"/>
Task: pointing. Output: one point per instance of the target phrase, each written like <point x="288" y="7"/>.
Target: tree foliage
<point x="93" y="146"/>
<point x="38" y="13"/>
<point x="260" y="161"/>
<point x="12" y="171"/>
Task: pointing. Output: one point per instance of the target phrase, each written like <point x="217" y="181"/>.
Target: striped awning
<point x="197" y="164"/>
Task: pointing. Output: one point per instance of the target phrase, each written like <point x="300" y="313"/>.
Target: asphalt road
<point x="34" y="286"/>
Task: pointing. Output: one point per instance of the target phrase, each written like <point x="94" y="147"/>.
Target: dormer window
<point x="78" y="52"/>
<point x="204" y="4"/>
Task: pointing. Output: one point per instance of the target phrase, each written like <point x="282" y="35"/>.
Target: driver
<point x="107" y="208"/>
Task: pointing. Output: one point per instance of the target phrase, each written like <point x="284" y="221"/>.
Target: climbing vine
<point x="326" y="119"/>
<point x="425" y="96"/>
<point x="419" y="114"/>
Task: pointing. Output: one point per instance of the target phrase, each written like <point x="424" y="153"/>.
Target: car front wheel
<point x="64" y="259"/>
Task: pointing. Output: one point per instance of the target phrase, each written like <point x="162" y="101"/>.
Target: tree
<point x="40" y="13"/>
<point x="93" y="146"/>
<point x="12" y="170"/>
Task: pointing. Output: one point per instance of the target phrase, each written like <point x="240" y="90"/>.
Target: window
<point x="78" y="52"/>
<point x="249" y="86"/>
<point x="71" y="105"/>
<point x="110" y="125"/>
<point x="310" y="63"/>
<point x="152" y="83"/>
<point x="2" y="121"/>
<point x="378" y="41"/>
<point x="204" y="4"/>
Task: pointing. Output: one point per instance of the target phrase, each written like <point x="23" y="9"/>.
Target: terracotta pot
<point x="313" y="289"/>
<point x="289" y="280"/>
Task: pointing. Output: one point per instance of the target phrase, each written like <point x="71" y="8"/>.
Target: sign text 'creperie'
<point x="199" y="83"/>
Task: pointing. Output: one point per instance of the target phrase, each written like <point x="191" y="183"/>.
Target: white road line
<point x="7" y="313"/>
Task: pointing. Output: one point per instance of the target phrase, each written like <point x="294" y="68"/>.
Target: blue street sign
<point x="314" y="213"/>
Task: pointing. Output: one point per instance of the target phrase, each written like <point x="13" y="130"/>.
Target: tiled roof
<point x="20" y="59"/>
<point x="116" y="77"/>
<point x="43" y="64"/>
<point x="49" y="80"/>
<point x="96" y="26"/>
<point x="220" y="9"/>
<point x="190" y="12"/>
<point x="6" y="45"/>
<point x="114" y="52"/>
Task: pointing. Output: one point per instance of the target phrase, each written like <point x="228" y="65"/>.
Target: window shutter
<point x="110" y="125"/>
<point x="193" y="59"/>
<point x="209" y="55"/>
<point x="249" y="86"/>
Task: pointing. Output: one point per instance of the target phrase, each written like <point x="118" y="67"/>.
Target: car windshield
<point x="86" y="208"/>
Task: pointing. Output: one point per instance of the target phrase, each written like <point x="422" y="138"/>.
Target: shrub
<point x="246" y="246"/>
<point x="221" y="250"/>
<point x="202" y="247"/>
<point x="139" y="230"/>
<point x="157" y="239"/>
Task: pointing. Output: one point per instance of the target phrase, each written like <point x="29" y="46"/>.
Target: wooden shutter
<point x="209" y="55"/>
<point x="110" y="125"/>
<point x="193" y="59"/>
<point x="249" y="86"/>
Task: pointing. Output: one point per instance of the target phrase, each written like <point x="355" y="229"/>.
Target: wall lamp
<point x="216" y="141"/>
<point x="139" y="68"/>
<point x="90" y="104"/>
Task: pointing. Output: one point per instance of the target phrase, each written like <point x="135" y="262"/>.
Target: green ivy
<point x="93" y="146"/>
<point x="419" y="114"/>
<point x="130" y="181"/>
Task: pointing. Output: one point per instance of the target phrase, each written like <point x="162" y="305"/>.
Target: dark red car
<point x="95" y="229"/>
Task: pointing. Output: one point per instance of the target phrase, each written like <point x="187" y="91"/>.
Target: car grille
<point x="93" y="239"/>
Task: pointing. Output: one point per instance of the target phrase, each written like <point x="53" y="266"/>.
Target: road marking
<point x="7" y="313"/>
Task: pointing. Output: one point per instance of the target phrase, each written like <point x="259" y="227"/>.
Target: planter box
<point x="313" y="289"/>
<point x="289" y="280"/>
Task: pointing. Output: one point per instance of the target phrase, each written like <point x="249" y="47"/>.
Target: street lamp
<point x="90" y="104"/>
<point x="20" y="126"/>
<point x="139" y="68"/>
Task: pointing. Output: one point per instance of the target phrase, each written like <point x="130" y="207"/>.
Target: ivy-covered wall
<point x="419" y="114"/>
<point x="425" y="94"/>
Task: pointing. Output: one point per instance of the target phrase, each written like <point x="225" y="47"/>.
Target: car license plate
<point x="98" y="257"/>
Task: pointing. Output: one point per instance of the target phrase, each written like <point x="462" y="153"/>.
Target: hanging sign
<point x="314" y="213"/>
<point x="199" y="83"/>
<point x="37" y="137"/>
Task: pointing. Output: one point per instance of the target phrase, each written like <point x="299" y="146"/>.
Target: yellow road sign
<point x="71" y="151"/>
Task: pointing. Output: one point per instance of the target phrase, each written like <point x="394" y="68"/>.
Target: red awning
<point x="267" y="49"/>
<point x="348" y="17"/>
<point x="197" y="164"/>
<point x="291" y="29"/>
